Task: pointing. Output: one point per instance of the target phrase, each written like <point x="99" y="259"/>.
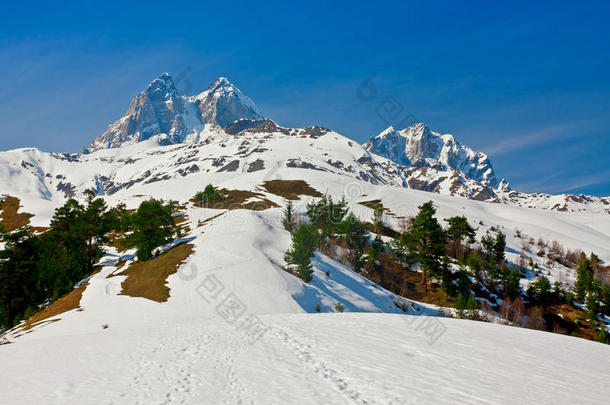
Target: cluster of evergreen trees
<point x="38" y="268"/>
<point x="425" y="242"/>
<point x="209" y="194"/>
<point x="590" y="290"/>
<point x="327" y="218"/>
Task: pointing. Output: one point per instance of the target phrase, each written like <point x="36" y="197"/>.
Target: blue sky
<point x="526" y="83"/>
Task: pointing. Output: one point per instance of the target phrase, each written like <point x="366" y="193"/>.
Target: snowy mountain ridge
<point x="417" y="145"/>
<point x="165" y="136"/>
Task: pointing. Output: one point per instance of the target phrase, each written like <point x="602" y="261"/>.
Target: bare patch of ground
<point x="238" y="199"/>
<point x="290" y="189"/>
<point x="10" y="217"/>
<point x="148" y="279"/>
<point x="66" y="303"/>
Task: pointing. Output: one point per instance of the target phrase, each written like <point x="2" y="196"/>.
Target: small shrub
<point x="209" y="194"/>
<point x="339" y="307"/>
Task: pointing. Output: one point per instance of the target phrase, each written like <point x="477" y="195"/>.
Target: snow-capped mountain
<point x="418" y="146"/>
<point x="221" y="130"/>
<point x="161" y="110"/>
<point x="222" y="104"/>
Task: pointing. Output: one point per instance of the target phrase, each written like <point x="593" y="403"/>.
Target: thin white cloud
<point x="510" y="144"/>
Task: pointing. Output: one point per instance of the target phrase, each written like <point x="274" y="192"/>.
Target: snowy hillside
<point x="235" y="326"/>
<point x="274" y="348"/>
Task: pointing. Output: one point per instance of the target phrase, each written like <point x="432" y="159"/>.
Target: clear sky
<point x="526" y="82"/>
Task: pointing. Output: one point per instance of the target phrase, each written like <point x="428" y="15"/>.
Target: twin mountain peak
<point x="161" y="110"/>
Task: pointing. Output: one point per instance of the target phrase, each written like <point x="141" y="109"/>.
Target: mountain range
<point x="221" y="129"/>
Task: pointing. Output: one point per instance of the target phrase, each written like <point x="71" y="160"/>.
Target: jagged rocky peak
<point x="222" y="104"/>
<point x="417" y="145"/>
<point x="161" y="110"/>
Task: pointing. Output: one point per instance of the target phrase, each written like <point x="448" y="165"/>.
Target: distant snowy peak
<point x="222" y="104"/>
<point x="417" y="145"/>
<point x="161" y="110"/>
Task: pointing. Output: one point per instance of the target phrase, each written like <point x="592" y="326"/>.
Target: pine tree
<point x="426" y="241"/>
<point x="494" y="247"/>
<point x="378" y="220"/>
<point x="459" y="234"/>
<point x="465" y="304"/>
<point x="355" y="236"/>
<point x="289" y="220"/>
<point x="304" y="243"/>
<point x="605" y="298"/>
<point x="540" y="289"/>
<point x="18" y="278"/>
<point x="488" y="244"/>
<point x="327" y="215"/>
<point x="96" y="223"/>
<point x="153" y="225"/>
<point x="584" y="279"/>
<point x="513" y="290"/>
<point x="593" y="300"/>
<point x="499" y="246"/>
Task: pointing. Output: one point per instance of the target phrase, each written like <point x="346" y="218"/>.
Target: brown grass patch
<point x="11" y="219"/>
<point x="148" y="279"/>
<point x="375" y="205"/>
<point x="236" y="199"/>
<point x="290" y="189"/>
<point x="179" y="220"/>
<point x="66" y="303"/>
<point x="210" y="219"/>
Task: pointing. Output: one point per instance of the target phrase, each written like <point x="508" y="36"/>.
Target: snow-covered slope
<point x="273" y="347"/>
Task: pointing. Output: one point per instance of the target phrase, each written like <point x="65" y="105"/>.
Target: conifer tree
<point x="605" y="298"/>
<point x="288" y="221"/>
<point x="499" y="246"/>
<point x="584" y="279"/>
<point x="153" y="226"/>
<point x="18" y="278"/>
<point x="459" y="234"/>
<point x="593" y="300"/>
<point x="513" y="290"/>
<point x="378" y="220"/>
<point x="304" y="243"/>
<point x="426" y="241"/>
<point x="327" y="215"/>
<point x="96" y="223"/>
<point x="355" y="233"/>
